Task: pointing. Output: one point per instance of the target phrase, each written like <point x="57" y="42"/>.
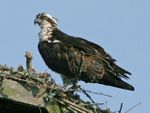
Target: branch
<point x="133" y="107"/>
<point x="120" y="108"/>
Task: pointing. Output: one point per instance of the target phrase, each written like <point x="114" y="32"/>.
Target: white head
<point x="44" y="18"/>
<point x="47" y="23"/>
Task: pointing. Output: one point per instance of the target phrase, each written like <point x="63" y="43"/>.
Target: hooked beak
<point x="36" y="22"/>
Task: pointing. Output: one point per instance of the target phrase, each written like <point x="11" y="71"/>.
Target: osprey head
<point x="44" y="18"/>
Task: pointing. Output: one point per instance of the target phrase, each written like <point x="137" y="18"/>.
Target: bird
<point x="77" y="59"/>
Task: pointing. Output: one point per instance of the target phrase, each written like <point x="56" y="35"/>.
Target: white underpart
<point x="46" y="31"/>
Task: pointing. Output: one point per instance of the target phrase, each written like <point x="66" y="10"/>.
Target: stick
<point x="120" y="108"/>
<point x="73" y="105"/>
<point x="133" y="107"/>
<point x="97" y="93"/>
<point x="28" y="56"/>
<point x="90" y="99"/>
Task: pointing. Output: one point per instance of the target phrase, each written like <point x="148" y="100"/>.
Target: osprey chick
<point x="64" y="53"/>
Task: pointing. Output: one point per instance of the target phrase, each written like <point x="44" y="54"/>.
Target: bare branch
<point x="97" y="93"/>
<point x="133" y="107"/>
<point x="120" y="108"/>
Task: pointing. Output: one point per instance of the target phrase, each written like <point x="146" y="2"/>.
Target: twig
<point x="120" y="108"/>
<point x="97" y="93"/>
<point x="22" y="80"/>
<point x="74" y="111"/>
<point x="73" y="105"/>
<point x="133" y="107"/>
<point x="64" y="104"/>
<point x="28" y="56"/>
<point x="79" y="111"/>
<point x="90" y="98"/>
<point x="98" y="104"/>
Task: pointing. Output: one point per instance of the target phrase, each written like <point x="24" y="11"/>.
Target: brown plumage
<point x="64" y="53"/>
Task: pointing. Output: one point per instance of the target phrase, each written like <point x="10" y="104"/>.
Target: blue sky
<point x="122" y="27"/>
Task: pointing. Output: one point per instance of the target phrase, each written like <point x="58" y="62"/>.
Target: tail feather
<point x="112" y="80"/>
<point x="120" y="71"/>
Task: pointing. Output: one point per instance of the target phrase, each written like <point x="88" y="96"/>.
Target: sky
<point x="122" y="27"/>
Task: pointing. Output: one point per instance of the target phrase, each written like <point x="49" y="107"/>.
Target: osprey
<point x="77" y="58"/>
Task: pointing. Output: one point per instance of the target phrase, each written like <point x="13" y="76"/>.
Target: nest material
<point x="40" y="89"/>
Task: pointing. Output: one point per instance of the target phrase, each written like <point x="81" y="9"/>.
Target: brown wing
<point x="96" y="50"/>
<point x="97" y="65"/>
<point x="96" y="70"/>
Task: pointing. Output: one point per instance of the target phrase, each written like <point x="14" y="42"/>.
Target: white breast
<point x="45" y="33"/>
